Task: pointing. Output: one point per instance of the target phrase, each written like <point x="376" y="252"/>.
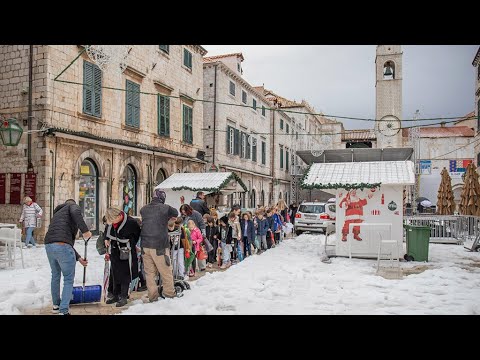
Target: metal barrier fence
<point x="448" y="229"/>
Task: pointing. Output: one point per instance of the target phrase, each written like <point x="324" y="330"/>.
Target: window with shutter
<point x="132" y="96"/>
<point x="264" y="153"/>
<point x="254" y="104"/>
<point x="163" y="115"/>
<point x="230" y="140"/>
<point x="287" y="154"/>
<point x="281" y="124"/>
<point x="287" y="128"/>
<point x="254" y="150"/>
<point x="187" y="124"/>
<point x="232" y="88"/>
<point x="244" y="97"/>
<point x="244" y="145"/>
<point x="92" y="89"/>
<point x="248" y="146"/>
<point x="281" y="157"/>
<point x="263" y="110"/>
<point x="164" y="48"/>
<point x="187" y="58"/>
<point x="237" y="141"/>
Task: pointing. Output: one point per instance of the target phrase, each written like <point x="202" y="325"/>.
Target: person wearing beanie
<point x="156" y="245"/>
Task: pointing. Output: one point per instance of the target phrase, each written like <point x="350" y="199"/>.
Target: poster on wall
<point x="458" y="167"/>
<point x="15" y="188"/>
<point x="30" y="189"/>
<point x="3" y="180"/>
<point x="364" y="217"/>
<point x="425" y="167"/>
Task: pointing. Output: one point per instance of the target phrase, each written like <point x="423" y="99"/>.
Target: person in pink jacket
<point x="197" y="239"/>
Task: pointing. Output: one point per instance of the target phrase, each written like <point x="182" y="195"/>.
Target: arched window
<point x="389" y="70"/>
<point x="130" y="191"/>
<point x="161" y="176"/>
<point x="88" y="193"/>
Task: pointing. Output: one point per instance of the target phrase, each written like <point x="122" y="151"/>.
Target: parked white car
<point x="315" y="217"/>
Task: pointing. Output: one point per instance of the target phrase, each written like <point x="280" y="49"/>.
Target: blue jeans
<point x="29" y="238"/>
<point x="62" y="261"/>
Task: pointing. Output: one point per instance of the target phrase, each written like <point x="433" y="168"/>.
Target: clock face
<point x="388" y="125"/>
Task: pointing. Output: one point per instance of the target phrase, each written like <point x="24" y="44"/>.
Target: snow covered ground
<point x="288" y="279"/>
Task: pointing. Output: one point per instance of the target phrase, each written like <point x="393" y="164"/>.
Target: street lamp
<point x="11" y="132"/>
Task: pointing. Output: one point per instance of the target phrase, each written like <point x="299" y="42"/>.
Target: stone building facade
<point x="237" y="137"/>
<point x="106" y="137"/>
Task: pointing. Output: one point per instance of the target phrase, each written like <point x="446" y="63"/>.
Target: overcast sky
<point x="438" y="80"/>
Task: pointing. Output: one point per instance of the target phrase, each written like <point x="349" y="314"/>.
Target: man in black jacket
<point x="156" y="245"/>
<point x="59" y="241"/>
<point x="199" y="204"/>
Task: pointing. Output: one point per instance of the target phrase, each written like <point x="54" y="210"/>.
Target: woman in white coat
<point x="31" y="211"/>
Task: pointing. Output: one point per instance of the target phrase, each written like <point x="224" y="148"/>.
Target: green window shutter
<point x="254" y="152"/>
<point x="281" y="157"/>
<point x="128" y="105"/>
<point x="281" y="124"/>
<point x="254" y="104"/>
<point x="244" y="97"/>
<point x="132" y="99"/>
<point x="263" y="110"/>
<point x="87" y="87"/>
<point x="163" y="115"/>
<point x="97" y="91"/>
<point x="264" y="155"/>
<point x="288" y="129"/>
<point x="247" y="138"/>
<point x="236" y="138"/>
<point x="187" y="58"/>
<point x="187" y="124"/>
<point x="287" y="154"/>
<point x="228" y="139"/>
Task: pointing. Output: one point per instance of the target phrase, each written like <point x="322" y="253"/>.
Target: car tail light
<point x="298" y="216"/>
<point x="325" y="216"/>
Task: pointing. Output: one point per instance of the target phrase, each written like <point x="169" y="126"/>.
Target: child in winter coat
<point x="212" y="236"/>
<point x="197" y="240"/>
<point x="224" y="237"/>
<point x="270" y="240"/>
<point x="236" y="234"/>
<point x="248" y="230"/>
<point x="262" y="229"/>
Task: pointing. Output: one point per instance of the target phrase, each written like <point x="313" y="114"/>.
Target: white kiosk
<point x="184" y="187"/>
<point x="369" y="202"/>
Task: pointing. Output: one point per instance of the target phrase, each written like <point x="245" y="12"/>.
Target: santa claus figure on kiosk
<point x="353" y="212"/>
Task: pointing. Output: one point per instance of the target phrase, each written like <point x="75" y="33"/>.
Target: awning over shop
<point x="207" y="182"/>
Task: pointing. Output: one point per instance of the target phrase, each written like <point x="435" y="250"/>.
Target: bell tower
<point x="388" y="90"/>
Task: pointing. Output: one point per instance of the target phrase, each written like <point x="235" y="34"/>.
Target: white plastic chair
<point x="392" y="247"/>
<point x="12" y="239"/>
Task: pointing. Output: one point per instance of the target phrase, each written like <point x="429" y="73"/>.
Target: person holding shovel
<point x="59" y="241"/>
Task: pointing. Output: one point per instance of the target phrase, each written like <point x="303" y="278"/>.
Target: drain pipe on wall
<point x="30" y="111"/>
<point x="215" y="114"/>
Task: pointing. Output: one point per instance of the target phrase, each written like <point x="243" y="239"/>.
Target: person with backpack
<point x="31" y="211"/>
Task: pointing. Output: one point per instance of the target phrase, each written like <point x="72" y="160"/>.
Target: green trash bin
<point x="418" y="241"/>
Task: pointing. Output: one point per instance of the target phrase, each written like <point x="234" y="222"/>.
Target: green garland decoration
<point x="215" y="189"/>
<point x="347" y="187"/>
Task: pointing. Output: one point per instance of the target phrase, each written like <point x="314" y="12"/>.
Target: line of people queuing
<point x="143" y="252"/>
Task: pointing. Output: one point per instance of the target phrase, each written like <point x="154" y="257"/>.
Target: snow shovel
<point x="86" y="294"/>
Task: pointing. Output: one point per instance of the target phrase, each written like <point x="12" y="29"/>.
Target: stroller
<point x="179" y="284"/>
